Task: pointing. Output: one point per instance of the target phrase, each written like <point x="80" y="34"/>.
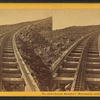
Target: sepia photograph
<point x="49" y="50"/>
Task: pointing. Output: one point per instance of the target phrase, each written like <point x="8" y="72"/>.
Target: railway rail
<point x="14" y="73"/>
<point x="78" y="68"/>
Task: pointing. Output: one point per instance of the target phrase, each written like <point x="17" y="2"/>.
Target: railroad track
<point x="78" y="69"/>
<point x="12" y="79"/>
<point x="14" y="73"/>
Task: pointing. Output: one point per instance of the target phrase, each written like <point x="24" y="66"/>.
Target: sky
<point x="12" y="16"/>
<point x="61" y="17"/>
<point x="75" y="17"/>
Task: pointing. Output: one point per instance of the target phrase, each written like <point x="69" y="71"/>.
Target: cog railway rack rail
<point x="78" y="68"/>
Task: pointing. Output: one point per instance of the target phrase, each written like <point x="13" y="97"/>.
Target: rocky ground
<point x="33" y="46"/>
<point x="40" y="46"/>
<point x="63" y="38"/>
<point x="4" y="28"/>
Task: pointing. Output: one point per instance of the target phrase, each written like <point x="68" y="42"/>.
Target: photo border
<point x="50" y="6"/>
